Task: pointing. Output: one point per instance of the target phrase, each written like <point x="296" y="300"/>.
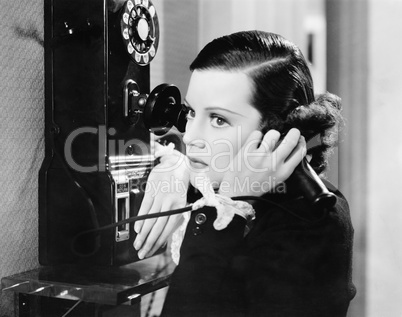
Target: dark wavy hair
<point x="283" y="86"/>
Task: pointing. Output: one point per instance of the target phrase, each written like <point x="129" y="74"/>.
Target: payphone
<point x="98" y="151"/>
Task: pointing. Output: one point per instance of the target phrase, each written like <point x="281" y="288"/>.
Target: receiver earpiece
<point x="163" y="110"/>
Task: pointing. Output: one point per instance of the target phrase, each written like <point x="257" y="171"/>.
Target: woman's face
<point x="220" y="119"/>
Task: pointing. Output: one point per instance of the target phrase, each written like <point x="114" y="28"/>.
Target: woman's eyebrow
<point x="224" y="109"/>
<point x="214" y="108"/>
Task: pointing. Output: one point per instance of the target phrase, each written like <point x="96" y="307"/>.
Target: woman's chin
<point x="203" y="178"/>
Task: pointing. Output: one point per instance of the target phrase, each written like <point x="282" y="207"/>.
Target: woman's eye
<point x="218" y="121"/>
<point x="190" y="114"/>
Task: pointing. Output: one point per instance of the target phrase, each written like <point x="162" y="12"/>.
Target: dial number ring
<point x="140" y="30"/>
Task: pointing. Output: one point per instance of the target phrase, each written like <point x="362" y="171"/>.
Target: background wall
<point x="364" y="69"/>
<point x="356" y="55"/>
<point x="21" y="136"/>
<point x="384" y="216"/>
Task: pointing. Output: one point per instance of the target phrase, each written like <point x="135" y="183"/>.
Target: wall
<point x="21" y="131"/>
<point x="364" y="69"/>
<point x="384" y="213"/>
<point x="178" y="42"/>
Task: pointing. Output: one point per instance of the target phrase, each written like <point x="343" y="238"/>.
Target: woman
<point x="247" y="91"/>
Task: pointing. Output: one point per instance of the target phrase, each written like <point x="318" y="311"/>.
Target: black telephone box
<point x="98" y="152"/>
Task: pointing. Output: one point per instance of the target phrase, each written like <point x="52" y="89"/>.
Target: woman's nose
<point x="191" y="135"/>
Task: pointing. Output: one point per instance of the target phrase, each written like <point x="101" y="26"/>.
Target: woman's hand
<point x="263" y="162"/>
<point x="166" y="189"/>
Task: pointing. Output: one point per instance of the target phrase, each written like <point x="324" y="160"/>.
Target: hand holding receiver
<point x="166" y="189"/>
<point x="263" y="163"/>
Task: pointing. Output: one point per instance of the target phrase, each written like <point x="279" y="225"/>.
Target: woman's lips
<point x="196" y="163"/>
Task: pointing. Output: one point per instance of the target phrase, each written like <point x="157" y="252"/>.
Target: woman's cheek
<point x="223" y="156"/>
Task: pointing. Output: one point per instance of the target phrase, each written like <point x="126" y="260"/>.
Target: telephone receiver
<point x="163" y="109"/>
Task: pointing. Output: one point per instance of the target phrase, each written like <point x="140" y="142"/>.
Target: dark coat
<point x="294" y="262"/>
